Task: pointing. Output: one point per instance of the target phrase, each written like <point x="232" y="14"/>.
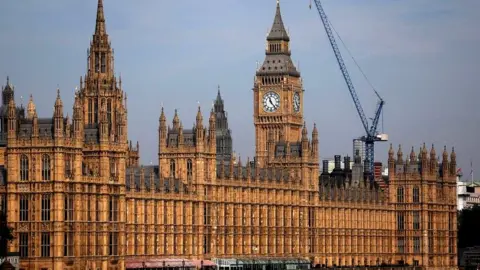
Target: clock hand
<point x="270" y="99"/>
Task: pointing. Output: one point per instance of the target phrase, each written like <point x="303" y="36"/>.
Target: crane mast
<point x="371" y="131"/>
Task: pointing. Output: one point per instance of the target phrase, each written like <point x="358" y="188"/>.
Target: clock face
<point x="271" y="101"/>
<point x="296" y="102"/>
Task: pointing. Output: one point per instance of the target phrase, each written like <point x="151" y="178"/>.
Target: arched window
<point x="400" y="195"/>
<point x="104" y="63"/>
<point x="416" y="195"/>
<point x="68" y="166"/>
<point x="24" y="168"/>
<point x="113" y="168"/>
<point x="109" y="111"/>
<point x="189" y="169"/>
<point x="172" y="168"/>
<point x="97" y="62"/>
<point x="46" y="167"/>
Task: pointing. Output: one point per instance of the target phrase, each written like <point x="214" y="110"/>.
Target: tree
<point x="468" y="224"/>
<point x="6" y="235"/>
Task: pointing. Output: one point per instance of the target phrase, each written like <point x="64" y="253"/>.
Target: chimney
<point x="325" y="167"/>
<point x="338" y="161"/>
<point x="346" y="161"/>
<point x="377" y="170"/>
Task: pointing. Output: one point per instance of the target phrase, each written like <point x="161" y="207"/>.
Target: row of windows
<point x="401" y="220"/>
<point x="275" y="47"/>
<point x="401" y="244"/>
<point x="92" y="108"/>
<point x="401" y="195"/>
<point x="45" y="244"/>
<point x="68" y="237"/>
<point x="100" y="62"/>
<point x="46" y="167"/>
<point x="189" y="169"/>
<point x="69" y="165"/>
<point x="46" y="205"/>
<point x="25" y="168"/>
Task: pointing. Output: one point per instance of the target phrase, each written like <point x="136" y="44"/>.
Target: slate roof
<point x="278" y="32"/>
<point x="295" y="149"/>
<point x="188" y="137"/>
<point x="278" y="64"/>
<point x="164" y="186"/>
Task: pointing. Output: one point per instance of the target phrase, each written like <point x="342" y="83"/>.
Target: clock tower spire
<point x="277" y="93"/>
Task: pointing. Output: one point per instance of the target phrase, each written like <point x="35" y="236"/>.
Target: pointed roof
<point x="58" y="101"/>
<point x="278" y="62"/>
<point x="278" y="32"/>
<point x="219" y="99"/>
<point x="9" y="86"/>
<point x="100" y="29"/>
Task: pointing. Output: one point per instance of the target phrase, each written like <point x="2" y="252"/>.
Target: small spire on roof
<point x="100" y="23"/>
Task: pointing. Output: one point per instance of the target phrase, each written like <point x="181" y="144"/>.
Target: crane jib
<point x="371" y="132"/>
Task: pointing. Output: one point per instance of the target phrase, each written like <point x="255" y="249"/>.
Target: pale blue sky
<point x="422" y="56"/>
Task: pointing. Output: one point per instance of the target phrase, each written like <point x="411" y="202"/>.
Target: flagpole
<point x="471" y="170"/>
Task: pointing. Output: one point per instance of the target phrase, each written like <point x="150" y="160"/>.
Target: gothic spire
<point x="278" y="32"/>
<point x="30" y="108"/>
<point x="100" y="23"/>
<point x="277" y="60"/>
<point x="219" y="99"/>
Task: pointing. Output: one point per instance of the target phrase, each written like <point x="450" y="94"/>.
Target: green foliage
<point x="468" y="227"/>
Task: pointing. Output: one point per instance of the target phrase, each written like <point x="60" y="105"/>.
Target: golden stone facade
<point x="77" y="198"/>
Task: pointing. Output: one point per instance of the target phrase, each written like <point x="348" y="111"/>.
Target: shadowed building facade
<point x="77" y="198"/>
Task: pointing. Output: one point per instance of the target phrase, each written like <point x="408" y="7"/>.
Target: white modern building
<point x="359" y="145"/>
<point x="468" y="194"/>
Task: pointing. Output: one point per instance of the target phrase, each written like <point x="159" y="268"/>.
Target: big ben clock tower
<point x="277" y="93"/>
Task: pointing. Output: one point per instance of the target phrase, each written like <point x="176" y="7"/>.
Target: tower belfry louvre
<point x="77" y="198"/>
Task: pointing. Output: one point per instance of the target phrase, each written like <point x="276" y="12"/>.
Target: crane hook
<point x="310" y="5"/>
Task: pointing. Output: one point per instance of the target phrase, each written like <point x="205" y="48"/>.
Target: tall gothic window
<point x="68" y="166"/>
<point x="90" y="111"/>
<point x="416" y="195"/>
<point x="172" y="168"/>
<point x="189" y="169"/>
<point x="89" y="209"/>
<point x="24" y="207"/>
<point x="68" y="244"/>
<point x="104" y="63"/>
<point x="46" y="204"/>
<point x="416" y="220"/>
<point x="68" y="207"/>
<point x="97" y="62"/>
<point x="416" y="244"/>
<point x="113" y="243"/>
<point x="24" y="168"/>
<point x="46" y="173"/>
<point x="23" y="244"/>
<point x="97" y="208"/>
<point x="113" y="207"/>
<point x="401" y="244"/>
<point x="95" y="111"/>
<point x="45" y="245"/>
<point x="400" y="221"/>
<point x="109" y="111"/>
<point x="400" y="195"/>
<point x="113" y="168"/>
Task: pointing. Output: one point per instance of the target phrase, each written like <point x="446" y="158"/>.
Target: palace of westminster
<point x="77" y="198"/>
